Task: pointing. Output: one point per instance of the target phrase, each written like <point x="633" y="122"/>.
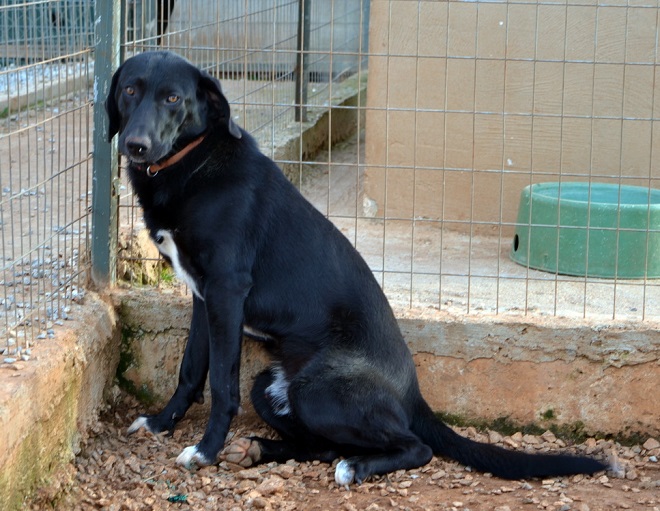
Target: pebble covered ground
<point x="116" y="472"/>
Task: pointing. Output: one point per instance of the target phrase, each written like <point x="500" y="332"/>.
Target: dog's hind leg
<point x="192" y="377"/>
<point x="270" y="399"/>
<point x="363" y="414"/>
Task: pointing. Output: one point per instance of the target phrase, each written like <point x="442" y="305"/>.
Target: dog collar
<point x="155" y="168"/>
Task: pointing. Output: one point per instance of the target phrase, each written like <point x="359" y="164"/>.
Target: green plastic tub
<point x="593" y="229"/>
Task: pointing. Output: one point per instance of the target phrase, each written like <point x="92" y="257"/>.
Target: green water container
<point x="593" y="229"/>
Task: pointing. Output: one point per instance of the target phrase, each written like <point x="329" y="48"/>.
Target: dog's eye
<point x="172" y="98"/>
<point x="129" y="90"/>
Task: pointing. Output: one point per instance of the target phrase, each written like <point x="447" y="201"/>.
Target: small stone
<point x="510" y="442"/>
<point x="9" y="360"/>
<point x="650" y="444"/>
<point x="270" y="485"/>
<point x="631" y="474"/>
<point x="252" y="474"/>
<point x="531" y="439"/>
<point x="549" y="436"/>
<point x="438" y="475"/>
<point x="260" y="503"/>
<point x="284" y="471"/>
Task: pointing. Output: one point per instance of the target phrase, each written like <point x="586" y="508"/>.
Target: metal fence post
<point x="301" y="72"/>
<point x="105" y="166"/>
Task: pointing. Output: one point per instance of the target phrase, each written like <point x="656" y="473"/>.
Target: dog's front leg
<point x="192" y="376"/>
<point x="224" y="309"/>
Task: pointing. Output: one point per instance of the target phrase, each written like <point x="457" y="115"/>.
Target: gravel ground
<point x="114" y="472"/>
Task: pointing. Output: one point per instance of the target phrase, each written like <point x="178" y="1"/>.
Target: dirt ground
<point x="116" y="472"/>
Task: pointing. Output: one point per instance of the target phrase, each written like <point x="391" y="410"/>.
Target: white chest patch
<point x="278" y="392"/>
<point x="167" y="247"/>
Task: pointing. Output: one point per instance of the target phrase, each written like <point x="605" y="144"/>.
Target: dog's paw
<point x="141" y="422"/>
<point x="155" y="424"/>
<point x="243" y="451"/>
<point x="191" y="457"/>
<point x="344" y="473"/>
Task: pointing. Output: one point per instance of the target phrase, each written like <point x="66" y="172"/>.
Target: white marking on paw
<point x="140" y="422"/>
<point x="278" y="392"/>
<point x="191" y="455"/>
<point x="167" y="247"/>
<point x="344" y="473"/>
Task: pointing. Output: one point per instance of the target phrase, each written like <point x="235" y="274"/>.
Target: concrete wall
<point x="550" y="372"/>
<point x="484" y="98"/>
<point x="48" y="402"/>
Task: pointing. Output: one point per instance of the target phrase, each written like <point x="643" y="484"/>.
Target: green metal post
<point x="301" y="71"/>
<point x="105" y="167"/>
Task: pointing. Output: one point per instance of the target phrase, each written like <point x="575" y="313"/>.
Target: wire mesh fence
<point x="271" y="66"/>
<point x="46" y="70"/>
<point x="468" y="103"/>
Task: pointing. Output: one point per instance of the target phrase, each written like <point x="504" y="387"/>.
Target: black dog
<point x="260" y="259"/>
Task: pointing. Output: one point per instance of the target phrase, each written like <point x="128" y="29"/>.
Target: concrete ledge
<point x="51" y="400"/>
<point x="555" y="372"/>
<point x="324" y="127"/>
<point x="155" y="329"/>
<point x="585" y="375"/>
<point x="47" y="92"/>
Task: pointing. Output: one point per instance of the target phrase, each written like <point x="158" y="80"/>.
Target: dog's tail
<point x="500" y="462"/>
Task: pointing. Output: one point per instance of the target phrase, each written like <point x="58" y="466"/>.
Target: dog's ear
<point x="217" y="103"/>
<point x="111" y="108"/>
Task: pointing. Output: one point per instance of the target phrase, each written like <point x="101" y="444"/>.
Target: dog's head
<point x="158" y="102"/>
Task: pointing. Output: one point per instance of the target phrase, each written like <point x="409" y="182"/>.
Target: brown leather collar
<point x="155" y="168"/>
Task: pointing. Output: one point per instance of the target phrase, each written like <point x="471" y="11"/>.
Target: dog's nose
<point x="137" y="146"/>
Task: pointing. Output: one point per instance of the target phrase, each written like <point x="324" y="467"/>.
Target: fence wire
<point x="472" y="102"/>
<point x="46" y="69"/>
<point x="468" y="103"/>
<point x="253" y="48"/>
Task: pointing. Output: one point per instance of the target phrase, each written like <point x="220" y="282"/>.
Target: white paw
<point x="344" y="473"/>
<point x="191" y="456"/>
<point x="140" y="422"/>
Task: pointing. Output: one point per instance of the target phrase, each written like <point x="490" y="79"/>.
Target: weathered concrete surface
<point x="155" y="329"/>
<point x="49" y="401"/>
<point x="547" y="372"/>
